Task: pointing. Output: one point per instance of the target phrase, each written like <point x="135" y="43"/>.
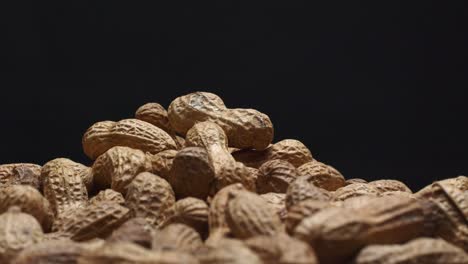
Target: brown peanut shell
<point x="322" y="175"/>
<point x="177" y="237"/>
<point x="135" y="230"/>
<point x="302" y="189"/>
<point x="192" y="212"/>
<point x="21" y="174"/>
<point x="275" y="176"/>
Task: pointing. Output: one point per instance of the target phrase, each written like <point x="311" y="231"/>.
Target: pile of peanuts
<point x="202" y="183"/>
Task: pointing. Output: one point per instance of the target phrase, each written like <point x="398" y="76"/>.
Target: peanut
<point x="245" y="128"/>
<point x="321" y="175"/>
<point x="133" y="133"/>
<point x="21" y="173"/>
<point x="177" y="237"/>
<point x="135" y="230"/>
<point x="192" y="212"/>
<point x="275" y="176"/>
<point x="228" y="251"/>
<point x="302" y="189"/>
<point x="62" y="251"/>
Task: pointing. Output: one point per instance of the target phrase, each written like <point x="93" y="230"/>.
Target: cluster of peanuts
<point x="202" y="183"/>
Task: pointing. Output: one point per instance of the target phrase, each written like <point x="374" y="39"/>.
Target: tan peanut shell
<point x="217" y="222"/>
<point x="228" y="251"/>
<point x="417" y="251"/>
<point x="130" y="253"/>
<point x="63" y="251"/>
<point x="460" y="183"/>
<point x="322" y="175"/>
<point x="192" y="212"/>
<point x="384" y="186"/>
<point x="133" y="133"/>
<point x="354" y="180"/>
<point x="192" y="173"/>
<point x="355" y="190"/>
<point x="161" y="163"/>
<point x="249" y="215"/>
<point x="135" y="230"/>
<point x="63" y="185"/>
<point x="17" y="232"/>
<point x="303" y="210"/>
<point x="108" y="195"/>
<point x="94" y="221"/>
<point x="277" y="201"/>
<point x="210" y="136"/>
<point x="245" y="128"/>
<point x="338" y="233"/>
<point x="150" y="196"/>
<point x="177" y="237"/>
<point x="302" y="189"/>
<point x="290" y="150"/>
<point x="21" y="174"/>
<point x="275" y="176"/>
<point x="282" y="249"/>
<point x="117" y="167"/>
<point x="29" y="200"/>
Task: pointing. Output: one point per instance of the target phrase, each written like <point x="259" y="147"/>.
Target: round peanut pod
<point x="282" y="249"/>
<point x="217" y="222"/>
<point x="249" y="215"/>
<point x="355" y="190"/>
<point x="228" y="251"/>
<point x="290" y="150"/>
<point x="192" y="212"/>
<point x="61" y="251"/>
<point x="245" y="128"/>
<point x="420" y="250"/>
<point x="302" y="189"/>
<point x="178" y="237"/>
<point x="210" y="136"/>
<point x="93" y="221"/>
<point x="21" y="174"/>
<point x="126" y="253"/>
<point x="135" y="230"/>
<point x="132" y="133"/>
<point x="63" y="185"/>
<point x="322" y="175"/>
<point x="302" y="210"/>
<point x="277" y="201"/>
<point x="161" y="163"/>
<point x="354" y="180"/>
<point x="337" y="233"/>
<point x="156" y="115"/>
<point x="17" y="232"/>
<point x="150" y="196"/>
<point x="30" y="201"/>
<point x="192" y="173"/>
<point x="117" y="167"/>
<point x="108" y="195"/>
<point x="385" y="186"/>
<point x="275" y="176"/>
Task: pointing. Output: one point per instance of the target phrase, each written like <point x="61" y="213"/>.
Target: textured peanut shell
<point x="150" y="196"/>
<point x="417" y="251"/>
<point x="63" y="185"/>
<point x="210" y="136"/>
<point x="245" y="128"/>
<point x="303" y="210"/>
<point x="161" y="163"/>
<point x="338" y="233"/>
<point x="228" y="251"/>
<point x="17" y="232"/>
<point x="192" y="212"/>
<point x="29" y="200"/>
<point x="135" y="230"/>
<point x="63" y="251"/>
<point x="21" y="174"/>
<point x="322" y="175"/>
<point x="192" y="173"/>
<point x="275" y="176"/>
<point x="384" y="186"/>
<point x="282" y="249"/>
<point x="156" y="115"/>
<point x="354" y="180"/>
<point x="117" y="167"/>
<point x="217" y="222"/>
<point x="277" y="201"/>
<point x="94" y="221"/>
<point x="302" y="189"/>
<point x="355" y="190"/>
<point x="133" y="133"/>
<point x="460" y="183"/>
<point x="177" y="237"/>
<point x="249" y="215"/>
<point x="290" y="150"/>
<point x="129" y="253"/>
<point x="108" y="195"/>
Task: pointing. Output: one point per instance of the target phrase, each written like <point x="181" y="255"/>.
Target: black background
<point x="375" y="89"/>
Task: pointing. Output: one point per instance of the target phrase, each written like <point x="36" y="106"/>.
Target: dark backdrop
<point x="377" y="90"/>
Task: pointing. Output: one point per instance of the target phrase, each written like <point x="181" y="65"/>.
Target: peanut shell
<point x="192" y="212"/>
<point x="108" y="195"/>
<point x="177" y="237"/>
<point x="135" y="230"/>
<point x="228" y="251"/>
<point x="322" y="175"/>
<point x="21" y="173"/>
<point x="275" y="176"/>
<point x="302" y="189"/>
<point x="62" y="251"/>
